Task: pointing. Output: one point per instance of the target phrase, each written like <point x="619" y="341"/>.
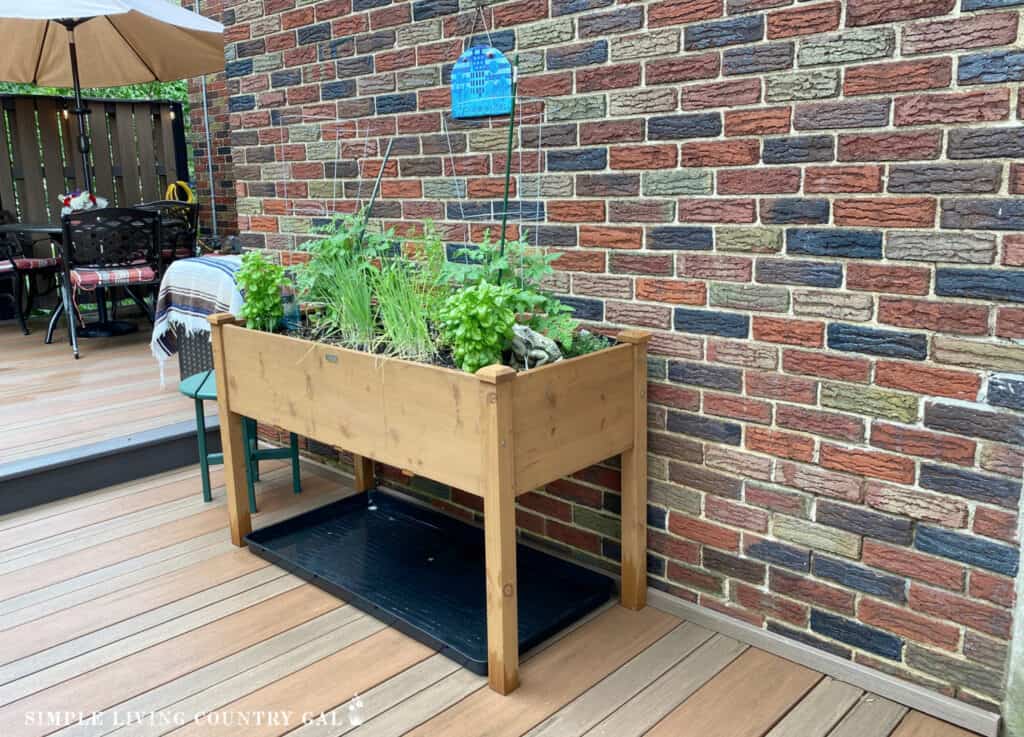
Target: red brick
<point x="903" y="76"/>
<point x="767" y="180"/>
<point x="770" y="605"/>
<point x="927" y="380"/>
<point x="704" y="532"/>
<point x="943" y="317"/>
<point x="694" y="578"/>
<point x="790" y="503"/>
<point x="576" y="260"/>
<point x="531" y="522"/>
<point x="826" y="366"/>
<point x="676" y="12"/>
<point x="721" y="94"/>
<point x="872" y="12"/>
<point x="401" y="188"/>
<point x="760" y="122"/>
<point x="395" y="15"/>
<point x="1013" y="249"/>
<point x="682" y="69"/>
<point x="1010" y="322"/>
<point x="943" y="510"/>
<point x="780" y="443"/>
<point x="673" y="547"/>
<point x="718" y="211"/>
<point x="736" y="514"/>
<point x="611" y="131"/>
<point x="819" y="481"/>
<point x="804" y="20"/>
<point x="676" y="397"/>
<point x="780" y="386"/>
<point x="672" y="291"/>
<point x="721" y="153"/>
<point x="638" y="314"/>
<point x="912" y="626"/>
<point x="600" y="475"/>
<point x="524" y="11"/>
<point x="912" y="564"/>
<point x="789" y="332"/>
<point x="990" y="587"/>
<point x="991" y="620"/>
<point x="631" y="263"/>
<point x="820" y="422"/>
<point x="897" y="279"/>
<point x="715" y="267"/>
<point x="612" y="77"/>
<point x="889" y="146"/>
<point x="546" y="505"/>
<point x="1004" y="459"/>
<point x="996" y="523"/>
<point x="843" y="179"/>
<point x="867" y="463"/>
<point x="1016" y="181"/>
<point x="641" y="211"/>
<point x="643" y="157"/>
<point x="924" y="443"/>
<point x="811" y="591"/>
<point x="952" y="107"/>
<point x="573" y="536"/>
<point x="886" y="212"/>
<point x="738" y="462"/>
<point x="595" y="236"/>
<point x="574" y="211"/>
<point x="578" y="493"/>
<point x="963" y="32"/>
<point x="725" y="405"/>
<point x="545" y="85"/>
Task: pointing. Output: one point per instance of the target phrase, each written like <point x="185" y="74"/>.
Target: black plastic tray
<point x="422" y="572"/>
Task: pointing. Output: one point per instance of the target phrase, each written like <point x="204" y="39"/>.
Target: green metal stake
<point x="508" y="158"/>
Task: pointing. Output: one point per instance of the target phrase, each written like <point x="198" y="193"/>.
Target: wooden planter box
<point x="495" y="434"/>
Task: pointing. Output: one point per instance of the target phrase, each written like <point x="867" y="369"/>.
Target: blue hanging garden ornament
<point x="481" y="83"/>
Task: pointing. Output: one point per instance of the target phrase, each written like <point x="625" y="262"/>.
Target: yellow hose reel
<point x="180" y="191"/>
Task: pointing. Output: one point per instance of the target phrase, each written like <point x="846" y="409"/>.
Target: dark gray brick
<point x="853" y="633"/>
<point x="707" y="322"/>
<point x="680" y="238"/>
<point x="706" y="375"/>
<point x="834" y="242"/>
<point x="578" y="55"/>
<point x="780" y="554"/>
<point x="864" y="522"/>
<point x="974" y="422"/>
<point x="858" y="577"/>
<point x="991" y="67"/>
<point x="1006" y="390"/>
<point x="724" y="32"/>
<point x="1003" y="285"/>
<point x="968" y="549"/>
<point x="802" y="273"/>
<point x="798" y="148"/>
<point x="700" y="426"/>
<point x="755" y="59"/>
<point x="794" y="211"/>
<point x="945" y="178"/>
<point x="971" y="485"/>
<point x="983" y="214"/>
<point x="669" y="127"/>
<point x="982" y="143"/>
<point x="857" y="339"/>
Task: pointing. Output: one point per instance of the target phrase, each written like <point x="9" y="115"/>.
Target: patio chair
<point x="19" y="263"/>
<point x="179" y="227"/>
<point x="203" y="387"/>
<point x="112" y="247"/>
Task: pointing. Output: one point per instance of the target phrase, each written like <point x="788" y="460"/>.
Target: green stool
<point x="202" y="387"/>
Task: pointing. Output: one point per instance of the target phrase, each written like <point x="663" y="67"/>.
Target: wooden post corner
<point x="634" y="482"/>
<point x="221" y="318"/>
<point x="496" y="373"/>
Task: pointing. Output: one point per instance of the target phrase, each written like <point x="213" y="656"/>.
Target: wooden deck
<point x="130" y="602"/>
<point x="51" y="402"/>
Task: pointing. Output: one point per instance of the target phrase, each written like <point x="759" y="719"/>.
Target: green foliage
<point x="261" y="282"/>
<point x="177" y="91"/>
<point x="477" y="322"/>
<point x="586" y="342"/>
<point x="403" y="310"/>
<point x="521" y="263"/>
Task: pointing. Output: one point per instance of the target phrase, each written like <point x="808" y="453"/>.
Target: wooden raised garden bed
<point x="496" y="434"/>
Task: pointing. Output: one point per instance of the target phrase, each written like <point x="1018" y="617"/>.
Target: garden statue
<point x="531" y="349"/>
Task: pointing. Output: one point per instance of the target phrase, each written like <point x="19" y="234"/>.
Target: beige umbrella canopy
<point x="104" y="43"/>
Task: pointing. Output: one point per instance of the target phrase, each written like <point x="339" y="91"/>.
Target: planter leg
<point x="363" y="467"/>
<point x="634" y="485"/>
<point x="236" y="453"/>
<point x="235" y="476"/>
<point x="500" y="529"/>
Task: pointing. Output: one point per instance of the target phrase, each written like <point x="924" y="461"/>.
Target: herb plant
<point x="403" y="310"/>
<point x="261" y="282"/>
<point x="476" y="321"/>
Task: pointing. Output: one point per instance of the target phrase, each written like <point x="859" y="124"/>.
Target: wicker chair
<point x="20" y="265"/>
<point x="179" y="227"/>
<point x="114" y="247"/>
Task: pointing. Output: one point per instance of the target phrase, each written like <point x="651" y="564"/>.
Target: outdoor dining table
<point x="103" y="327"/>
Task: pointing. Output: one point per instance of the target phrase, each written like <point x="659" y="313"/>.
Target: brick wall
<point x="814" y="207"/>
<point x="222" y="196"/>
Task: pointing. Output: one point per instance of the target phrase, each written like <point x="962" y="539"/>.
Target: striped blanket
<point x="191" y="290"/>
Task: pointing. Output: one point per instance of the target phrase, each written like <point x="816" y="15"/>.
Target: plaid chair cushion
<point x="83" y="278"/>
<point x="29" y="264"/>
<point x="168" y="255"/>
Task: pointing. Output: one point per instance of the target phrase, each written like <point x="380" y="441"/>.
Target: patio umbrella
<point x="104" y="43"/>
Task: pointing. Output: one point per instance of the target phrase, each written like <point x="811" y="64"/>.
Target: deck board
<point x="114" y="390"/>
<point x="162" y="615"/>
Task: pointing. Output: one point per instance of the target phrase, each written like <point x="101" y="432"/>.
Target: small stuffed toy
<point x="77" y="201"/>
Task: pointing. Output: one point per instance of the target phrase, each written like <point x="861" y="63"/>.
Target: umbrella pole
<point x="80" y="110"/>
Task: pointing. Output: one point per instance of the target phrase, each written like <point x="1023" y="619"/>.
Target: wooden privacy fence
<point x="138" y="148"/>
